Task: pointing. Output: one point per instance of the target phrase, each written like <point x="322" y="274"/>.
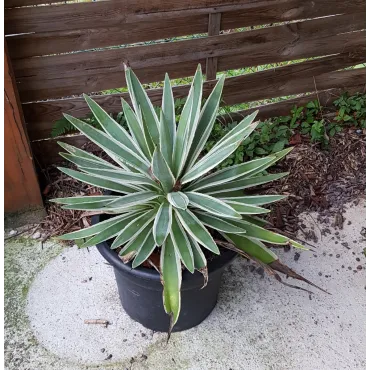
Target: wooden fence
<point x="21" y="189"/>
<point x="62" y="50"/>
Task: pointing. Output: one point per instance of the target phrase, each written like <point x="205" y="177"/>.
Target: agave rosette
<point x="164" y="194"/>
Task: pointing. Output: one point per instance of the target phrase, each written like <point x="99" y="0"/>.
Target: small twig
<point x="97" y="322"/>
<point x="19" y="233"/>
<point x="317" y="95"/>
<point x="271" y="267"/>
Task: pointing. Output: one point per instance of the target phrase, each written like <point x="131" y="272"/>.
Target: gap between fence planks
<point x="106" y="14"/>
<point x="65" y="75"/>
<point x="76" y="37"/>
<point x="293" y="79"/>
<point x="265" y="111"/>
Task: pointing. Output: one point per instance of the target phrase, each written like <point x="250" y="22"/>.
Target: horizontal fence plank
<point x="46" y="43"/>
<point x="64" y="75"/>
<point x="292" y="79"/>
<point x="40" y="148"/>
<point x="107" y="14"/>
<point x="138" y="6"/>
<point x="140" y="30"/>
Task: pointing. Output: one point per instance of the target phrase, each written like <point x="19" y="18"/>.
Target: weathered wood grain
<point x="46" y="43"/>
<point x="139" y="6"/>
<point x="65" y="75"/>
<point x="292" y="79"/>
<point x="214" y="26"/>
<point x="21" y="189"/>
<point x="115" y="13"/>
<point x="141" y="29"/>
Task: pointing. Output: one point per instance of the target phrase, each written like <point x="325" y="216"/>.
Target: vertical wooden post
<point x="214" y="26"/>
<point x="22" y="191"/>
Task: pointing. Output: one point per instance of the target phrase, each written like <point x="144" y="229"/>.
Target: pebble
<point x="359" y="267"/>
<point x="358" y="259"/>
<point x="338" y="255"/>
<point x="36" y="235"/>
<point x="12" y="232"/>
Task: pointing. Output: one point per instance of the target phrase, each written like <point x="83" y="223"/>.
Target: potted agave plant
<point x="165" y="199"/>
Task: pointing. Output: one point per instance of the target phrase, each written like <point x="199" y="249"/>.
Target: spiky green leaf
<point x="182" y="135"/>
<point x="167" y="123"/>
<point x="92" y="230"/>
<point x="178" y="199"/>
<point x="134" y="228"/>
<point x="112" y="231"/>
<point x="257" y="200"/>
<point x="134" y="199"/>
<point x="182" y="244"/>
<point x="120" y="176"/>
<point x="244" y="183"/>
<point x="110" y="144"/>
<point x="253" y="248"/>
<point x="84" y="162"/>
<point x="228" y="174"/>
<point x="171" y="279"/>
<point x="136" y="130"/>
<point x="97" y="181"/>
<point x="162" y="171"/>
<point x="212" y="205"/>
<point x="205" y="124"/>
<point x="218" y="224"/>
<point x="142" y="104"/>
<point x="246" y="209"/>
<point x="162" y="222"/>
<point x="111" y="127"/>
<point x="145" y="250"/>
<point x="195" y="228"/>
<point x="259" y="233"/>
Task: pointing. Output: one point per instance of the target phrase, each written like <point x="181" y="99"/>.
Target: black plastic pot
<point x="140" y="291"/>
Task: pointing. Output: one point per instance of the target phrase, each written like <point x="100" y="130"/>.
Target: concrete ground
<point x="258" y="324"/>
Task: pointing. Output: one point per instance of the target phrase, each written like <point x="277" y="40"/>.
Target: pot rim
<point x="113" y="259"/>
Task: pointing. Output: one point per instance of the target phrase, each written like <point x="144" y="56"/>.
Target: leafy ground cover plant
<point x="271" y="135"/>
<point x="167" y="196"/>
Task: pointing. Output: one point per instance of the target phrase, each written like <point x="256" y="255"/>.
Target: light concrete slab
<point x="258" y="323"/>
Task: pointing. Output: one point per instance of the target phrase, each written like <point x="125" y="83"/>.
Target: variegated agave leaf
<point x="162" y="195"/>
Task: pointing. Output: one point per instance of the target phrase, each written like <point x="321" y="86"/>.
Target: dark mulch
<point x="320" y="180"/>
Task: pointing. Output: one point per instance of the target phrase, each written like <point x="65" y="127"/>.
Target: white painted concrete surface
<point x="258" y="323"/>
